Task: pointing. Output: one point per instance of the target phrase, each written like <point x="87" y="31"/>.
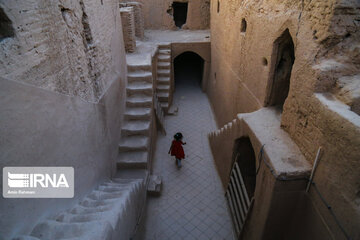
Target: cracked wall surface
<point x="320" y="109"/>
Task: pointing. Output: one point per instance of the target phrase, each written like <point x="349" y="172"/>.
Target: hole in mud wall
<point x="218" y="6"/>
<point x="283" y="63"/>
<point x="188" y="69"/>
<point x="6" y="28"/>
<point x="264" y="62"/>
<point x="244" y="155"/>
<point x="180" y="13"/>
<point x="243" y="25"/>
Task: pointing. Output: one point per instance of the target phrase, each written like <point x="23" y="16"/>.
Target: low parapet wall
<point x="281" y="176"/>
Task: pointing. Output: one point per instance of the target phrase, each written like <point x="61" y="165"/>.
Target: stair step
<point x="162" y="88"/>
<point x="141" y="76"/>
<point x="139" y="101"/>
<point x="136" y="128"/>
<point x="134" y="143"/>
<point x="163" y="80"/>
<point x="163" y="96"/>
<point x="165" y="51"/>
<point x="163" y="65"/>
<point x="138" y="114"/>
<point x="137" y="67"/>
<point x="139" y="88"/>
<point x="132" y="160"/>
<point x="163" y="72"/>
<point x="164" y="105"/>
<point x="164" y="58"/>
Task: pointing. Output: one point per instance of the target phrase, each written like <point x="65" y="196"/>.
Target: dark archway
<point x="180" y="13"/>
<point x="244" y="156"/>
<point x="6" y="28"/>
<point x="283" y="60"/>
<point x="188" y="69"/>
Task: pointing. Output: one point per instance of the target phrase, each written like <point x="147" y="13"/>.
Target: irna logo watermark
<point x="38" y="182"/>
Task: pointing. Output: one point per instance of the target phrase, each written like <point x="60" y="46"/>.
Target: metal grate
<point x="238" y="199"/>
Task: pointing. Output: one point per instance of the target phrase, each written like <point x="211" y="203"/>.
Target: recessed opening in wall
<point x="244" y="156"/>
<point x="6" y="28"/>
<point x="243" y="25"/>
<point x="218" y="6"/>
<point x="188" y="69"/>
<point x="241" y="189"/>
<point x="180" y="13"/>
<point x="282" y="62"/>
<point x="264" y="61"/>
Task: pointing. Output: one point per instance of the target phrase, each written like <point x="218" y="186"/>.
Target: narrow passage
<point x="192" y="204"/>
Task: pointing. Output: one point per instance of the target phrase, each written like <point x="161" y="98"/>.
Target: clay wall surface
<point x="158" y="14"/>
<point x="68" y="47"/>
<point x="62" y="98"/>
<point x="321" y="106"/>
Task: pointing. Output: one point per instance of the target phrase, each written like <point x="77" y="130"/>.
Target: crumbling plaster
<point x="239" y="82"/>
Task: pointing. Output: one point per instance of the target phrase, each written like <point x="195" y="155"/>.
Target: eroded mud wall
<point x="63" y="75"/>
<point x="159" y="14"/>
<point x="320" y="109"/>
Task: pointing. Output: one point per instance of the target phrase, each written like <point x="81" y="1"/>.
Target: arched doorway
<point x="241" y="188"/>
<point x="188" y="69"/>
<point x="282" y="63"/>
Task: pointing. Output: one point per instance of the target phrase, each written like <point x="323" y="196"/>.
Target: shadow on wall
<point x="188" y="69"/>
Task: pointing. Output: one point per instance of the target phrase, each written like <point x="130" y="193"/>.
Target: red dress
<point x="177" y="149"/>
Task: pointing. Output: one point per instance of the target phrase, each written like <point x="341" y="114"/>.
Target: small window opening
<point x="243" y="25"/>
<point x="180" y="13"/>
<point x="6" y="28"/>
<point x="218" y="6"/>
<point x="264" y="61"/>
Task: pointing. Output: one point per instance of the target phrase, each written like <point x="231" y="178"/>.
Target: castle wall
<point x="63" y="76"/>
<point x="317" y="112"/>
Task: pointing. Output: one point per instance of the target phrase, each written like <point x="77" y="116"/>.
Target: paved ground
<point x="192" y="204"/>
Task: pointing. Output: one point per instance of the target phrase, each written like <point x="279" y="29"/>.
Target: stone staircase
<point x="136" y="130"/>
<point x="163" y="87"/>
<point x="111" y="211"/>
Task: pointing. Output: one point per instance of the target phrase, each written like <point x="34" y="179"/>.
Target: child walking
<point x="176" y="148"/>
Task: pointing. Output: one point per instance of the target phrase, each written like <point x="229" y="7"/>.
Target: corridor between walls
<point x="192" y="204"/>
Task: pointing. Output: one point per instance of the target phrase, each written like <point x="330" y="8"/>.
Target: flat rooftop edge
<point x="280" y="151"/>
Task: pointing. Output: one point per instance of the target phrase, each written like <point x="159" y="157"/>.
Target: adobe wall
<point x="321" y="106"/>
<point x="158" y="14"/>
<point x="63" y="93"/>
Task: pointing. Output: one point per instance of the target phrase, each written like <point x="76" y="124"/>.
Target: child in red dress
<point x="176" y="148"/>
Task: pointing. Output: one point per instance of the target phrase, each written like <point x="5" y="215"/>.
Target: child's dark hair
<point x="178" y="136"/>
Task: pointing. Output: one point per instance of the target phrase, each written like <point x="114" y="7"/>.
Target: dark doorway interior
<point x="180" y="13"/>
<point x="188" y="69"/>
<point x="6" y="29"/>
<point x="244" y="155"/>
<point x="284" y="60"/>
